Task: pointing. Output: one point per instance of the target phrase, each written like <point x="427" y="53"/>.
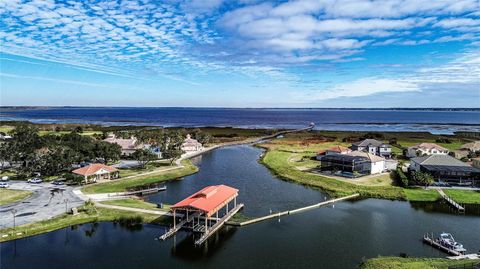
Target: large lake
<point x="338" y="236"/>
<point x="445" y="122"/>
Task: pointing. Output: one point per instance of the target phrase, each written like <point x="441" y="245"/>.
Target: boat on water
<point x="446" y="243"/>
<point x="447" y="240"/>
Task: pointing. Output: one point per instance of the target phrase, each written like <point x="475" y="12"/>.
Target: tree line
<point x="52" y="154"/>
<point x="28" y="152"/>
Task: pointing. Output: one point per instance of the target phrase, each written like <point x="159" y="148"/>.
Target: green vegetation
<point x="278" y="162"/>
<point x="136" y="203"/>
<point x="151" y="167"/>
<point x="52" y="155"/>
<point x="291" y="158"/>
<point x="414" y="263"/>
<point x="8" y="196"/>
<point x="464" y="197"/>
<point x="421" y="195"/>
<point x="86" y="215"/>
<point x="238" y="218"/>
<point x="123" y="184"/>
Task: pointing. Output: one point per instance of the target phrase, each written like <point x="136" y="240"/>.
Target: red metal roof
<point x="92" y="169"/>
<point x="208" y="199"/>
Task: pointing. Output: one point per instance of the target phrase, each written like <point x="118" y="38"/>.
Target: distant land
<point x="14" y="108"/>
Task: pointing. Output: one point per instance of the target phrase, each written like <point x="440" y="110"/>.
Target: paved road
<point x="47" y="201"/>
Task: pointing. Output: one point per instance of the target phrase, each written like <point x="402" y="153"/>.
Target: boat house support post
<point x="174" y="221"/>
<point x="206" y="224"/>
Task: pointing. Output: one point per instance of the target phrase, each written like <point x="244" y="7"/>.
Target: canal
<point x="338" y="236"/>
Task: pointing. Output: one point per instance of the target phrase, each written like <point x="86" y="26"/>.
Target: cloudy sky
<point x="245" y="53"/>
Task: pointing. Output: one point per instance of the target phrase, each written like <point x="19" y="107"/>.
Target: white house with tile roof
<point x="426" y="149"/>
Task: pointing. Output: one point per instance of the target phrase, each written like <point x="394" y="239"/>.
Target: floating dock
<point x="294" y="211"/>
<point x="431" y="241"/>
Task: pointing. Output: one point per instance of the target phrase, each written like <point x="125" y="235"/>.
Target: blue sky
<point x="245" y="53"/>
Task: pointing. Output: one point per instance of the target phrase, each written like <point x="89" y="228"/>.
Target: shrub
<point x="400" y="178"/>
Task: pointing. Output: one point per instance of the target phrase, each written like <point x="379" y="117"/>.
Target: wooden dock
<point x="450" y="201"/>
<point x="218" y="225"/>
<point x="431" y="241"/>
<point x="294" y="211"/>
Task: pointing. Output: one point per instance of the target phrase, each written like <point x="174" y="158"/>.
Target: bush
<point x="443" y="140"/>
<point x="400" y="178"/>
<point x="133" y="222"/>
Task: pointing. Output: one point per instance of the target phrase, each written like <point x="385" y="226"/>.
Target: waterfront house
<point x="333" y="150"/>
<point x="472" y="146"/>
<point x="129" y="145"/>
<point x="426" y="149"/>
<point x="445" y="168"/>
<point x="97" y="171"/>
<point x="373" y="146"/>
<point x="353" y="164"/>
<point x="191" y="145"/>
<point x="467" y="148"/>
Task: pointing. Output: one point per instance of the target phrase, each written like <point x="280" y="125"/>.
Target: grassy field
<point x="66" y="220"/>
<point x="149" y="168"/>
<point x="136" y="203"/>
<point x="8" y="196"/>
<point x="291" y="159"/>
<point x="464" y="197"/>
<point x="421" y="195"/>
<point x="278" y="162"/>
<point x="412" y="263"/>
<point x="122" y="184"/>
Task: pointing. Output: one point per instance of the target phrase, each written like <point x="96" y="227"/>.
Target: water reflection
<point x="444" y="207"/>
<point x="185" y="249"/>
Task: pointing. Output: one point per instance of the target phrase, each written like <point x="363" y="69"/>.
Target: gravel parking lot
<point x="47" y="201"/>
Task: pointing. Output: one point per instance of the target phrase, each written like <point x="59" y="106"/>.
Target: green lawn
<point x="278" y="162"/>
<point x="136" y="203"/>
<point x="291" y="166"/>
<point x="421" y="195"/>
<point x="8" y="196"/>
<point x="149" y="168"/>
<point x="464" y="197"/>
<point x="412" y="263"/>
<point x="66" y="220"/>
<point x="120" y="185"/>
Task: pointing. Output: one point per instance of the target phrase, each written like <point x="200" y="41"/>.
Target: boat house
<point x="205" y="211"/>
<point x="97" y="171"/>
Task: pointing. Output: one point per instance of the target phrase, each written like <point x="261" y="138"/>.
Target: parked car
<point x="4" y="185"/>
<point x="35" y="180"/>
<point x="59" y="181"/>
<point x="5" y="178"/>
<point x="36" y="174"/>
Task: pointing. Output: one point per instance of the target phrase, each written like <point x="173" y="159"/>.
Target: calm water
<point x="362" y="120"/>
<point x="329" y="237"/>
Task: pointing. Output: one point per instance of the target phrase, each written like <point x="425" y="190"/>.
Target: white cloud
<point x="462" y="73"/>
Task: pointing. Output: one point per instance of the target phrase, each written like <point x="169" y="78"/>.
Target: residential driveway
<point x="47" y="201"/>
